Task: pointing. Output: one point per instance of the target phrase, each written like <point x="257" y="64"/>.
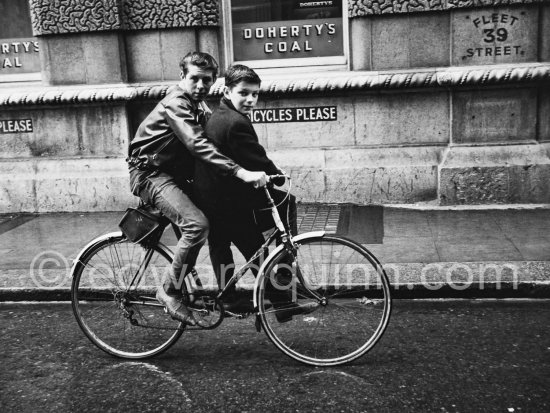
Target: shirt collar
<point x="229" y="104"/>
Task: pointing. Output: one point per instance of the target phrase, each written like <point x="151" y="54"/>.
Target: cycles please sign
<point x="304" y="114"/>
<point x="15" y="126"/>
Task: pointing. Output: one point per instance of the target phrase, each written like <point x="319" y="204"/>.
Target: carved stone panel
<point x="92" y="58"/>
<point x="72" y="16"/>
<point x="358" y="8"/>
<point x="402" y="119"/>
<point x="94" y="130"/>
<point x="500" y="174"/>
<point x="75" y="16"/>
<point x="154" y="54"/>
<point x="487" y="116"/>
<point x="419" y="40"/>
<point x="366" y="7"/>
<point x="494" y="35"/>
<point x="158" y="14"/>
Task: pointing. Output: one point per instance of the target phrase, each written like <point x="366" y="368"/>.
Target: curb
<point x="476" y="279"/>
<point x="528" y="289"/>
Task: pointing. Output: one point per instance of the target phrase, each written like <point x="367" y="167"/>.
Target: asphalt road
<point x="436" y="356"/>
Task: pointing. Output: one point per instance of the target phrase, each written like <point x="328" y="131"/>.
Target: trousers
<point x="244" y="229"/>
<point x="174" y="200"/>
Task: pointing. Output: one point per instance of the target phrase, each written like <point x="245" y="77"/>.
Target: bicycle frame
<point x="279" y="231"/>
<point x="287" y="242"/>
<point x="242" y="270"/>
<point x="296" y="267"/>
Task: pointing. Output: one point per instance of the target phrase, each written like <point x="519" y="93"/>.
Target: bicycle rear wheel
<point x="336" y="295"/>
<point x="121" y="316"/>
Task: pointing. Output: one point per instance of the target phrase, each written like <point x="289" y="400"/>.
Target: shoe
<point x="239" y="305"/>
<point x="176" y="309"/>
<point x="198" y="303"/>
<point x="285" y="311"/>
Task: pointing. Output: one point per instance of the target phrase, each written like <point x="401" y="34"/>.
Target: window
<point x="19" y="58"/>
<point x="277" y="33"/>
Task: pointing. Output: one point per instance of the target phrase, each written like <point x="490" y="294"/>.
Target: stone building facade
<point x="362" y="101"/>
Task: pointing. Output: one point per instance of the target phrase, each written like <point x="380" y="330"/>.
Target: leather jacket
<point x="172" y="136"/>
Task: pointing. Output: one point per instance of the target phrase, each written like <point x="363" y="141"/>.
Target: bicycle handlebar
<point x="278" y="176"/>
<point x="270" y="178"/>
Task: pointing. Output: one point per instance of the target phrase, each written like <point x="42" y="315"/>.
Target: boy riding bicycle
<point x="112" y="276"/>
<point x="161" y="159"/>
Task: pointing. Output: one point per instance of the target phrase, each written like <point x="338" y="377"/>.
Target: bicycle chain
<point x="129" y="314"/>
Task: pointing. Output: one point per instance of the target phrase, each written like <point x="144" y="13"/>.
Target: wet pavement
<point x="484" y="248"/>
<point x="436" y="356"/>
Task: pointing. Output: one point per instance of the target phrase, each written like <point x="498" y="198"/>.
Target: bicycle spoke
<point x="107" y="300"/>
<point x="345" y="321"/>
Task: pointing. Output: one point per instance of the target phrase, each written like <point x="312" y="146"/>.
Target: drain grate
<point x="318" y="217"/>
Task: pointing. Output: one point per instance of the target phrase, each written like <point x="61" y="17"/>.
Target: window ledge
<point x="288" y="83"/>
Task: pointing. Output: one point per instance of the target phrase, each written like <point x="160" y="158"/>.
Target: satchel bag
<point x="142" y="226"/>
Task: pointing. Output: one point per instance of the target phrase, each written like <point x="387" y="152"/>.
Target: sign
<point x="496" y="37"/>
<point x="286" y="30"/>
<point x="19" y="56"/>
<point x="291" y="39"/>
<point x="15" y="126"/>
<point x="305" y="114"/>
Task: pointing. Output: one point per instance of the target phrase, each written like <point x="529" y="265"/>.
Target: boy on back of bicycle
<point x="228" y="204"/>
<point x="161" y="160"/>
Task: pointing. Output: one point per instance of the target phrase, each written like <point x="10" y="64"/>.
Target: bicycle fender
<point x="297" y="238"/>
<point x="91" y="244"/>
<point x="102" y="238"/>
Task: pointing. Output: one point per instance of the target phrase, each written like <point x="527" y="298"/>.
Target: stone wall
<point x="98" y="58"/>
<point x="471" y="37"/>
<point x="391" y="142"/>
<point x="480" y="139"/>
<point x="113" y="41"/>
<point x="426" y="113"/>
<point x="498" y="130"/>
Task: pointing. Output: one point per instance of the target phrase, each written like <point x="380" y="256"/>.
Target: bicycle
<point x="336" y="287"/>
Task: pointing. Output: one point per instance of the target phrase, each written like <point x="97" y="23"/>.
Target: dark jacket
<point x="171" y="137"/>
<point x="234" y="135"/>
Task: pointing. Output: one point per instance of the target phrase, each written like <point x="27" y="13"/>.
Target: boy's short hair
<point x="240" y="73"/>
<point x="200" y="59"/>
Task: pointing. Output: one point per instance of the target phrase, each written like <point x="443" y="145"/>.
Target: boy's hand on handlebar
<point x="258" y="179"/>
<point x="279" y="179"/>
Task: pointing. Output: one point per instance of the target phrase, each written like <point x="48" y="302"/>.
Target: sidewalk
<point x="426" y="251"/>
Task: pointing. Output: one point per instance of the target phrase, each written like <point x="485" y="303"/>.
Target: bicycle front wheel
<point x="113" y="297"/>
<point x="329" y="306"/>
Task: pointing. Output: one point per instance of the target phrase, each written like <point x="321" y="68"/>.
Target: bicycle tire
<point x="348" y="316"/>
<point x="102" y="300"/>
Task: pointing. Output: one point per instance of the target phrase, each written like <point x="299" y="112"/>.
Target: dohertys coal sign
<point x="288" y="39"/>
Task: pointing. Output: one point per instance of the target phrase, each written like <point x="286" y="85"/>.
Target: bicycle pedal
<point x="238" y="316"/>
<point x="199" y="310"/>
